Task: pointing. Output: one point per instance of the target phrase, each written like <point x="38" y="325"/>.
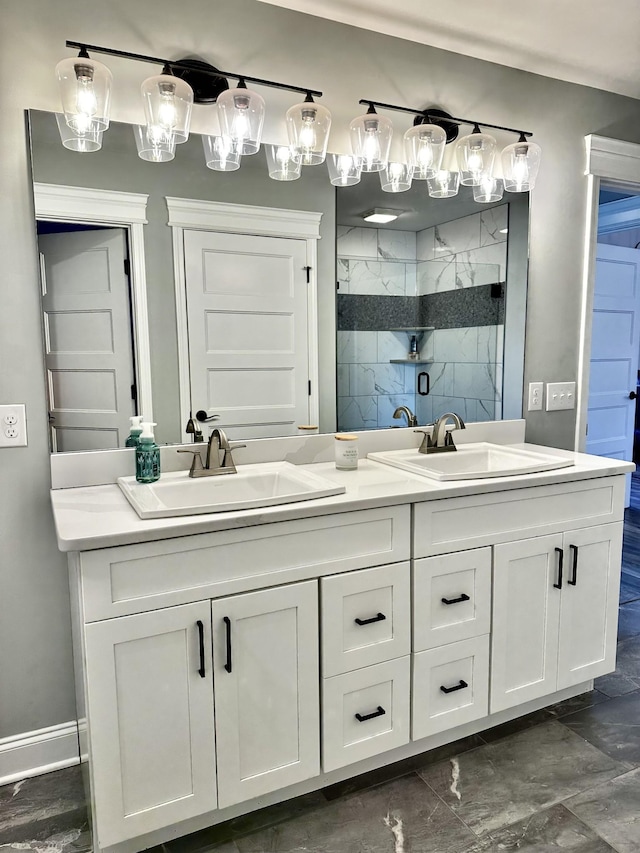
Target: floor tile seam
<point x="630" y="765"/>
<point x="446" y="805"/>
<point x="592" y="828"/>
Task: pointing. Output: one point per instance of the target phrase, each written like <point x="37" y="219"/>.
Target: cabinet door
<point x="589" y="604"/>
<point x="151" y="720"/>
<point x="526" y="610"/>
<point x="266" y="690"/>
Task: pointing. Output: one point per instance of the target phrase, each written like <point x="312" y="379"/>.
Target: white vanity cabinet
<point x="149" y="694"/>
<point x="266" y="686"/>
<point x="555" y="612"/>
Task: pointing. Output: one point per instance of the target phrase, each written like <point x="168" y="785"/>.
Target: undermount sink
<point x="472" y="461"/>
<point x="260" y="485"/>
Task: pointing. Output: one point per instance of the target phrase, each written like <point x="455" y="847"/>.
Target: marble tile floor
<point x="566" y="777"/>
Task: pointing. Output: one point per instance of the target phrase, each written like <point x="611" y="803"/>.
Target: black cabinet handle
<point x="379" y="618"/>
<point x="574" y="566"/>
<point x="201" y="642"/>
<point x="632" y="395"/>
<point x="463" y="597"/>
<point x="560" y="554"/>
<point x="227" y="623"/>
<point x="459" y="686"/>
<point x="379" y="712"/>
<point x="423" y="386"/>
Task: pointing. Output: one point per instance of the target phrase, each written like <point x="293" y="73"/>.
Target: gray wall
<point x="35" y="648"/>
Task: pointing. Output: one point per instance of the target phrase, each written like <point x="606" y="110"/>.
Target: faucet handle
<point x="196" y="464"/>
<point x="427" y="439"/>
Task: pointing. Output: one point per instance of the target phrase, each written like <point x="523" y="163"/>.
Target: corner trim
<point x="41" y="751"/>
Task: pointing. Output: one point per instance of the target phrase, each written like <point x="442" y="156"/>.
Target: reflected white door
<point x="87" y="330"/>
<point x="248" y="331"/>
<point x="615" y="339"/>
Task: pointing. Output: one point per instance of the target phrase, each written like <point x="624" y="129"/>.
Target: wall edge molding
<point x="243" y="218"/>
<point x="34" y="753"/>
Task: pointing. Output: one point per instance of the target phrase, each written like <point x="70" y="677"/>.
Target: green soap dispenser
<point x="134" y="432"/>
<point x="147" y="456"/>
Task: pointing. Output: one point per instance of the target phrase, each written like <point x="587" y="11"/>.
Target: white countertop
<point x="91" y="517"/>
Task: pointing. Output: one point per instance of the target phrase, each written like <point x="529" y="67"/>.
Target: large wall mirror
<point x="426" y="311"/>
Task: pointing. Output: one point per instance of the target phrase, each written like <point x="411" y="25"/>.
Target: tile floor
<point x="564" y="778"/>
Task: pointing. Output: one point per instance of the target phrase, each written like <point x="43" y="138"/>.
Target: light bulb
<point x="86" y="103"/>
<point x="520" y="171"/>
<point x="85" y="89"/>
<point x="344" y="170"/>
<point x="166" y="109"/>
<point x="308" y="126"/>
<point x="168" y="102"/>
<point x="371" y="145"/>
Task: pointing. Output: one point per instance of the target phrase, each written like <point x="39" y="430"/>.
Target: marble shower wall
<point x="409" y="270"/>
<point x="375" y="262"/>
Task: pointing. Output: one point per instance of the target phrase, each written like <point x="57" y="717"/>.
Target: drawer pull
<point x="200" y="625"/>
<point x="379" y="618"/>
<point x="379" y="712"/>
<point x="574" y="566"/>
<point x="460" y="686"/>
<point x="227" y="623"/>
<point x="560" y="554"/>
<point x="463" y="597"/>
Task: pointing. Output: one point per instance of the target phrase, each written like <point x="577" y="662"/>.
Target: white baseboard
<point x="32" y="753"/>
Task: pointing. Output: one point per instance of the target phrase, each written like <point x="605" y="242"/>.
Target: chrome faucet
<point x="412" y="420"/>
<point x="441" y="440"/>
<point x="218" y="442"/>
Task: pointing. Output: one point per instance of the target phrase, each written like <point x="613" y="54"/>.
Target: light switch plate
<point x="13" y="426"/>
<point x="561" y="395"/>
<point x="536" y="393"/>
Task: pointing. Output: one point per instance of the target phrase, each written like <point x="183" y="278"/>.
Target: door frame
<point x="57" y="203"/>
<point x="202" y="215"/>
<point x="618" y="164"/>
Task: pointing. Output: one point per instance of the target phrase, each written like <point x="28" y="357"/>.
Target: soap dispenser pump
<point x="134" y="431"/>
<point x="147" y="456"/>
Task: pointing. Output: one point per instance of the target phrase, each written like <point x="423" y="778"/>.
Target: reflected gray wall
<point x="117" y="167"/>
<point x="347" y="64"/>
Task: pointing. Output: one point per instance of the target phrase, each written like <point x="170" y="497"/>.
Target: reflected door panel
<point x="88" y="350"/>
<point x="248" y="332"/>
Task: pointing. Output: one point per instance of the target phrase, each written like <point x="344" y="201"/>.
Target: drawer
<point x="365" y="713"/>
<point x="450" y="686"/>
<point x="134" y="578"/>
<point x="457" y="524"/>
<point x="451" y="598"/>
<point x="365" y="618"/>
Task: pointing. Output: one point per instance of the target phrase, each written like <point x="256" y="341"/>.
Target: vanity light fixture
<point x="241" y="114"/>
<point x="371" y="139"/>
<point x="85" y="88"/>
<point x="151" y="147"/>
<point x="168" y="102"/>
<point x="284" y="162"/>
<point x="396" y="178"/>
<point x="476" y="153"/>
<point x="308" y="126"/>
<point x="75" y="140"/>
<point x="520" y="165"/>
<point x="381" y="215"/>
<point x="489" y="189"/>
<point x="424" y="149"/>
<point x="221" y="153"/>
<point x="344" y="170"/>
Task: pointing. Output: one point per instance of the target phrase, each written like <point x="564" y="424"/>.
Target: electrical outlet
<point x="536" y="392"/>
<point x="13" y="426"/>
<point x="561" y="395"/>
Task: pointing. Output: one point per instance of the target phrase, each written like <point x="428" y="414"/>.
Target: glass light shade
<point x="396" y="178"/>
<point x="85" y="88"/>
<point x="241" y="114"/>
<point x="152" y="147"/>
<point x="488" y="190"/>
<point x="424" y="150"/>
<point x="476" y="153"/>
<point x="168" y="102"/>
<point x="284" y="162"/>
<point x="371" y="141"/>
<point x="221" y="153"/>
<point x="520" y="165"/>
<point x="444" y="184"/>
<point x="90" y="140"/>
<point x="344" y="170"/>
<point x="308" y="126"/>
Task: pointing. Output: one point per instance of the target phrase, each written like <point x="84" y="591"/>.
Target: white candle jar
<point x="346" y="451"/>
